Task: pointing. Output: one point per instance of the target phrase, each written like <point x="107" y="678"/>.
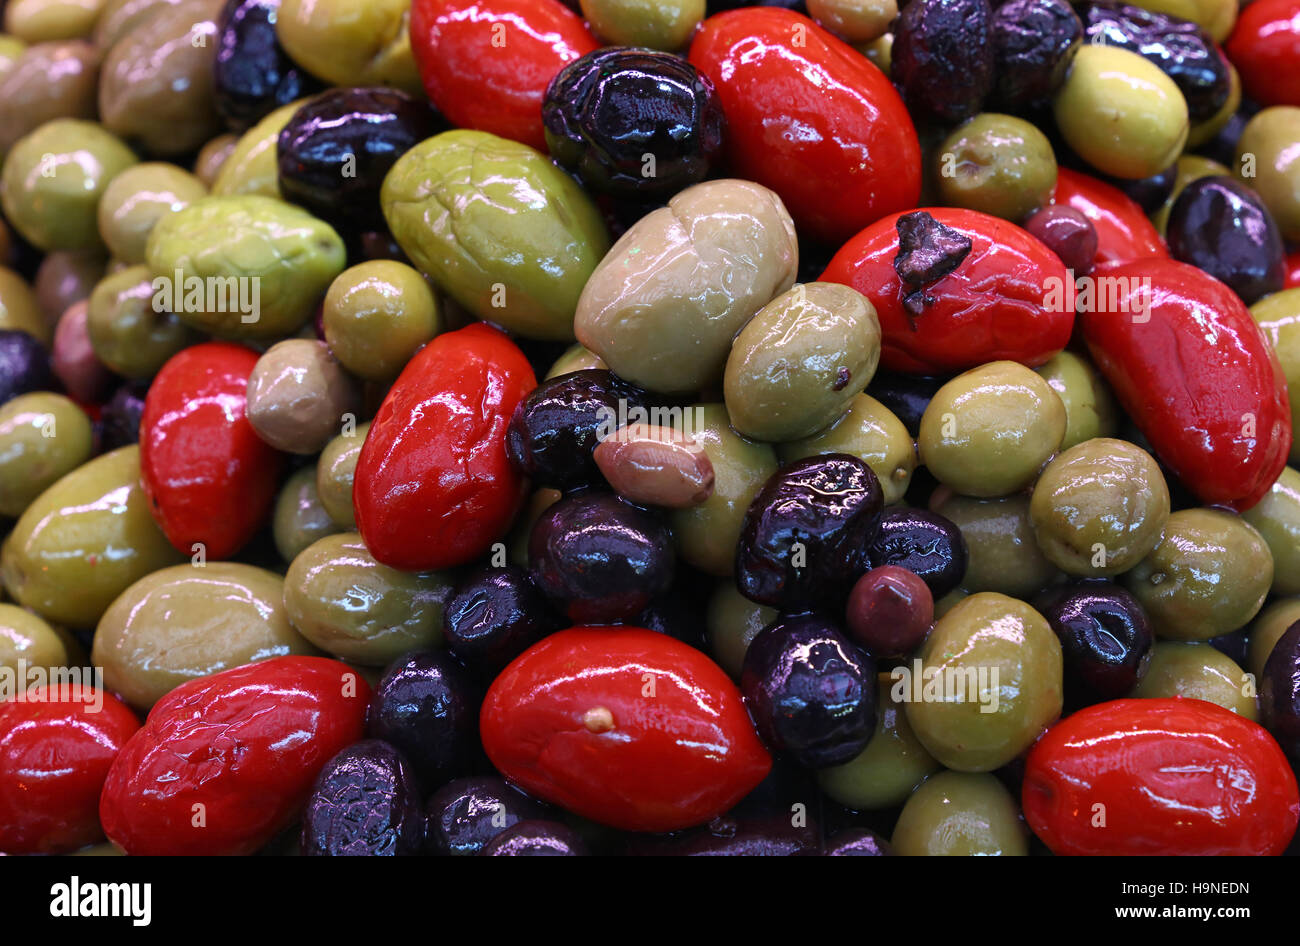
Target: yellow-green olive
<point x="575" y="358"/>
<point x="1269" y="161"/>
<point x="121" y="16"/>
<point x="212" y="158"/>
<point x="350" y="42"/>
<point x="1197" y="671"/>
<point x="377" y="314"/>
<point x="20" y="309"/>
<point x="1003" y="554"/>
<point x="960" y="814"/>
<point x="27" y="638"/>
<point x="1216" y="17"/>
<point x="1270" y="624"/>
<point x="1277" y="518"/>
<point x="870" y="432"/>
<point x="1090" y="409"/>
<point x="732" y="621"/>
<point x="299" y="518"/>
<point x="335" y="472"/>
<point x="654" y="24"/>
<point x="136" y="199"/>
<point x="997" y="164"/>
<point x="42" y="438"/>
<point x="249" y="167"/>
<point x="1278" y="315"/>
<point x="854" y="21"/>
<point x="44" y="21"/>
<point x="129" y="333"/>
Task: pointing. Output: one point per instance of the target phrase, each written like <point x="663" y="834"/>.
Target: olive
<point x="906" y="395"/>
<point x="336" y="149"/>
<point x="252" y="74"/>
<point x="212" y="158"/>
<point x="1149" y="193"/>
<point x="426" y="705"/>
<point x="537" y="838"/>
<point x="299" y="518"/>
<point x="890" y="611"/>
<point x="1002" y="553"/>
<point x="66" y="278"/>
<point x="1034" y="42"/>
<point x="128" y="332"/>
<point x="870" y="432"/>
<point x="376" y="316"/>
<point x="250" y="167"/>
<point x="806" y="535"/>
<point x="20" y="308"/>
<point x="466" y="813"/>
<point x="73" y="360"/>
<point x="1222" y="227"/>
<point x="1279" y="317"/>
<point x="1274" y="165"/>
<point x="925" y="543"/>
<point x="1279" y="693"/>
<point x="136" y="199"/>
<point x="335" y="471"/>
<point x="653" y="465"/>
<point x="365" y="801"/>
<point x="1265" y="631"/>
<point x="673" y="614"/>
<point x="42" y="438"/>
<point x="48" y="81"/>
<point x="494" y="616"/>
<point x="855" y="21"/>
<point x="555" y="430"/>
<point x="575" y="358"/>
<point x="366" y="42"/>
<point x="120" y="417"/>
<point x="942" y="58"/>
<point x="27" y="638"/>
<point x="37" y="21"/>
<point x="24" y="364"/>
<point x="810" y="692"/>
<point x="1277" y="517"/>
<point x="733" y="621"/>
<point x="1188" y="168"/>
<point x="600" y="559"/>
<point x="634" y="123"/>
<point x="299" y="395"/>
<point x="1105" y="639"/>
<point x="997" y="164"/>
<point x="958" y="814"/>
<point x="1067" y="233"/>
<point x="1090" y="409"/>
<point x="1197" y="671"/>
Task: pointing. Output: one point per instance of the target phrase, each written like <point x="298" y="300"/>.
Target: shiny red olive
<point x="1123" y="231"/>
<point x="1005" y="301"/>
<point x="811" y="118"/>
<point x="1159" y="777"/>
<point x="226" y="762"/>
<point x="1265" y="48"/>
<point x="486" y="64"/>
<point x="209" y="478"/>
<point x="56" y="746"/>
<point x="625" y="726"/>
<point x="1196" y="374"/>
<point x="434" y="487"/>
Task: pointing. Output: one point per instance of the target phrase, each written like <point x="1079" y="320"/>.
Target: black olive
<point x="926" y="544"/>
<point x="1105" y="638"/>
<point x="1279" y="693"/>
<point x="252" y="74"/>
<point x="426" y="705"/>
<point x="466" y="813"/>
<point x="536" y="839"/>
<point x="1034" y="42"/>
<point x="1224" y="228"/>
<point x="905" y="394"/>
<point x="494" y="616"/>
<point x="942" y="57"/>
<point x="24" y="364"/>
<point x="364" y="802"/>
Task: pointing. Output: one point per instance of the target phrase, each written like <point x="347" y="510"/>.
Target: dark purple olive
<point x="1068" y="234"/>
<point x="810" y="692"/>
<point x="536" y="838"/>
<point x="556" y="429"/>
<point x="1149" y="193"/>
<point x="466" y="813"/>
<point x="252" y="74"/>
<point x="806" y="535"/>
<point x="1233" y="645"/>
<point x="427" y="706"/>
<point x="24" y="364"/>
<point x="1105" y="638"/>
<point x="336" y="149"/>
<point x="925" y="543"/>
<point x="120" y="418"/>
<point x="600" y="559"/>
<point x="858" y="842"/>
<point x="942" y="58"/>
<point x="634" y="123"/>
<point x="906" y="395"/>
<point x="890" y="612"/>
<point x="364" y="802"/>
<point x="1181" y="49"/>
<point x="495" y="615"/>
<point x="729" y="836"/>
<point x="1224" y="228"/>
<point x="1034" y="42"/>
<point x="1279" y="693"/>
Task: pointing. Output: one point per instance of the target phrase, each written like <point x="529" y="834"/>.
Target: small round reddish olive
<point x="1068" y="234"/>
<point x="890" y="611"/>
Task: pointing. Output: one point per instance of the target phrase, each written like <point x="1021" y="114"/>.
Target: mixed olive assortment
<point x="911" y="469"/>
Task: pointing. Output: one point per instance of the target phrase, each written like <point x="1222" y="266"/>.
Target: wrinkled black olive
<point x="536" y="839"/>
<point x="24" y="364"/>
<point x="926" y="544"/>
<point x="466" y="813"/>
<point x="1105" y="638"/>
<point x="494" y="616"/>
<point x="364" y="802"/>
<point x="253" y="75"/>
<point x="427" y="706"/>
<point x="1223" y="227"/>
<point x="942" y="57"/>
<point x="1279" y="693"/>
<point x="1034" y="42"/>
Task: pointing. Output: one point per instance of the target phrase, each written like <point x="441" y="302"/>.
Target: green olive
<point x="212" y="158"/>
<point x="1003" y="554"/>
<point x="870" y="432"/>
<point x="1209" y="576"/>
<point x="250" y="166"/>
<point x="136" y="199"/>
<point x="1090" y="409"/>
<point x="989" y="431"/>
<point x="53" y="179"/>
<point x="244" y="267"/>
<point x="129" y="334"/>
<point x="43" y="437"/>
<point x="997" y="164"/>
<point x="1270" y="624"/>
<point x="575" y="358"/>
<point x="733" y="621"/>
<point x="48" y="81"/>
<point x="358" y="610"/>
<point x="1190" y="167"/>
<point x="45" y="21"/>
<point x="350" y="42"/>
<point x="188" y="621"/>
<point x="27" y="638"/>
<point x="884" y="774"/>
<point x="1278" y="315"/>
<point x="83" y="541"/>
<point x="377" y="315"/>
<point x="20" y="309"/>
<point x="1202" y="132"/>
<point x="707" y="534"/>
<point x="880" y="52"/>
<point x="300" y="517"/>
<point x="960" y="814"/>
<point x="1099" y="508"/>
<point x="1277" y="519"/>
<point x="499" y="228"/>
<point x="335" y="471"/>
<point x="1120" y="113"/>
<point x="1197" y="671"/>
<point x="855" y="21"/>
<point x="986" y="684"/>
<point x="11" y="50"/>
<point x="654" y="24"/>
<point x="1274" y="164"/>
<point x="796" y="366"/>
<point x="1216" y="17"/>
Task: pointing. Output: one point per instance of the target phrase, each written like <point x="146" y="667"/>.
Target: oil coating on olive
<point x="634" y="123"/>
<point x="960" y="814"/>
<point x="188" y="621"/>
<point x="1222" y="227"/>
<point x="1278" y="316"/>
<point x="1188" y="168"/>
<point x="299" y="518"/>
<point x="136" y="199"/>
<point x="1279" y="693"/>
<point x="1003" y="554"/>
<point x="1277" y="518"/>
<point x="1197" y="671"/>
<point x="466" y="813"/>
<point x="797" y="365"/>
<point x="494" y="616"/>
<point x="870" y="432"/>
<point x="43" y="437"/>
<point x="807" y="533"/>
<point x="1210" y="575"/>
<point x="1266" y="630"/>
<point x="657" y="24"/>
<point x="250" y="167"/>
<point x="855" y="21"/>
<point x="48" y="81"/>
<point x="1105" y="639"/>
<point x="376" y="316"/>
<point x="358" y="609"/>
<point x="299" y="396"/>
<point x="335" y="472"/>
<point x="343" y="42"/>
<point x="1034" y="42"/>
<point x="1090" y="409"/>
<point x="365" y="802"/>
<point x="988" y="683"/>
<point x="1271" y="136"/>
<point x="997" y="164"/>
<point x="20" y="309"/>
<point x="942" y="58"/>
<point x="127" y="332"/>
<point x="925" y="543"/>
<point x="252" y="74"/>
<point x="26" y="637"/>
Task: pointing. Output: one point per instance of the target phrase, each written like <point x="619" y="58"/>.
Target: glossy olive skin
<point x="119" y="420"/>
<point x="1277" y="518"/>
<point x="857" y="842"/>
<point x="1033" y="44"/>
<point x="20" y="308"/>
<point x="336" y="149"/>
<point x="365" y="802"/>
<point x="1270" y="136"/>
<point x="48" y="81"/>
<point x="1266" y="630"/>
<point x="554" y="430"/>
<point x="925" y="543"/>
<point x="24" y="364"/>
<point x="807" y="533"/>
<point x="810" y="691"/>
<point x="494" y="616"/>
<point x="1067" y="233"/>
<point x="335" y="472"/>
<point x="1279" y="317"/>
<point x="1002" y="553"/>
<point x="42" y="438"/>
<point x="997" y="164"/>
<point x="250" y="166"/>
<point x="253" y="75"/>
<point x="958" y="814"/>
<point x="127" y="333"/>
<point x="135" y="200"/>
<point x="1090" y="409"/>
<point x="299" y="518"/>
<point x="426" y="705"/>
<point x="942" y="57"/>
<point x="1224" y="228"/>
<point x="604" y="113"/>
<point x="536" y="839"/>
<point x="376" y="315"/>
<point x="1279" y="693"/>
<point x="870" y="432"/>
<point x="1197" y="671"/>
<point x="466" y="813"/>
<point x="598" y="558"/>
<point x="732" y="622"/>
<point x="26" y="637"/>
<point x="1105" y="639"/>
<point x="344" y="41"/>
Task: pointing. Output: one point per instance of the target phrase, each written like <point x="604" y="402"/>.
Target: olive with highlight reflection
<point x="252" y="74"/>
<point x="467" y="813"/>
<point x="494" y="616"/>
<point x="365" y="801"/>
<point x="925" y="543"/>
<point x="1105" y="638"/>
